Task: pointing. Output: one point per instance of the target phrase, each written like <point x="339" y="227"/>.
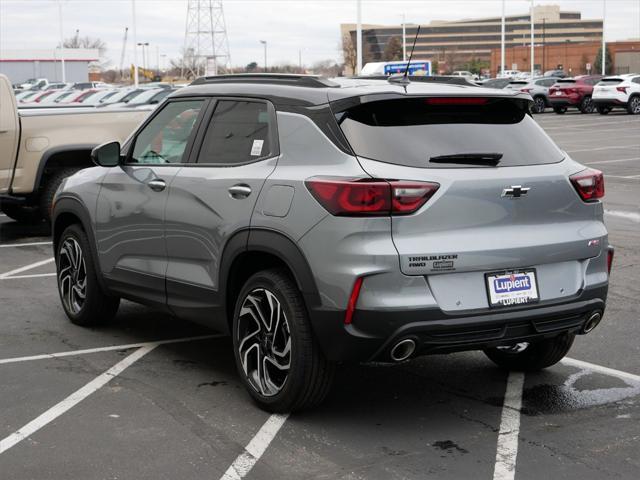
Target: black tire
<point x="539" y="104"/>
<point x="633" y="106"/>
<point x="535" y="356"/>
<point x="97" y="307"/>
<point x="603" y="110"/>
<point x="48" y="190"/>
<point x="586" y="105"/>
<point x="560" y="110"/>
<point x="309" y="376"/>
<point x="22" y="213"/>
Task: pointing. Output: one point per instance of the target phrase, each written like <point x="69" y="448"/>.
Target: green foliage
<point x="608" y="62"/>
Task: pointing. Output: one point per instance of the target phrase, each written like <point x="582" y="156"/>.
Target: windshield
<point x="412" y="131"/>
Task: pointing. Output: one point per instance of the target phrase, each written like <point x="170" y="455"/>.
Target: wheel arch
<point x="69" y="211"/>
<point x="250" y="251"/>
<point x="74" y="155"/>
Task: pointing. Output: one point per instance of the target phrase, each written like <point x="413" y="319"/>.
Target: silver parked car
<point x="319" y="223"/>
<point x="538" y="88"/>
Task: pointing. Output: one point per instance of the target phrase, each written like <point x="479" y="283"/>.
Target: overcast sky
<point x="287" y="25"/>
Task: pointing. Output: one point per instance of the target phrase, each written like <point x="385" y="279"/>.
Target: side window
<point x="165" y="137"/>
<point x="239" y="132"/>
<point x="636" y="80"/>
<point x="548" y="83"/>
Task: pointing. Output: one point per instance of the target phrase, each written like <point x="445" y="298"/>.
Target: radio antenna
<point x="404" y="78"/>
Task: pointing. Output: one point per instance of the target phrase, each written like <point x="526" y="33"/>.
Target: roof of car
<point x="305" y="90"/>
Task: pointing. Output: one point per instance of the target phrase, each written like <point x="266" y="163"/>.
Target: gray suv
<point x="538" y="88"/>
<point x="321" y="222"/>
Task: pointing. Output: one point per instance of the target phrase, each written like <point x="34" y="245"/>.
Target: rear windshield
<point x="412" y="131"/>
<point x="567" y="80"/>
<point x="611" y="81"/>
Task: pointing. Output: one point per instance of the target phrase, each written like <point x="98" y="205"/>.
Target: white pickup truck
<point x="41" y="147"/>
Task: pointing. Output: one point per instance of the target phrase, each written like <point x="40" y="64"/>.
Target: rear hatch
<point x="608" y="87"/>
<point x="564" y="87"/>
<point x="505" y="201"/>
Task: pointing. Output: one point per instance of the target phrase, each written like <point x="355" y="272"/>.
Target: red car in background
<point x="573" y="92"/>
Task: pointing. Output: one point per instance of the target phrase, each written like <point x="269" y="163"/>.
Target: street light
<point x="144" y="56"/>
<point x="264" y="42"/>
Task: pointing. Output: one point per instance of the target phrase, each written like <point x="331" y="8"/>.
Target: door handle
<point x="157" y="185"/>
<point x="240" y="191"/>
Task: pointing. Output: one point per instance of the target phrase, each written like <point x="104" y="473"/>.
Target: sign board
<point x="514" y="66"/>
<point x="415" y="68"/>
<point x="588" y="66"/>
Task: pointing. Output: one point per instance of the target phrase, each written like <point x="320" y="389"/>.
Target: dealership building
<point x="455" y="43"/>
<point x="21" y="65"/>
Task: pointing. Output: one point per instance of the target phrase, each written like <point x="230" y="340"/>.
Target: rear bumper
<point x="609" y="102"/>
<point x="563" y="102"/>
<point x="372" y="334"/>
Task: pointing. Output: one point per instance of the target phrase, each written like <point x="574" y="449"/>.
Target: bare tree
<point x="349" y="53"/>
<point x="85" y="42"/>
<point x="393" y="50"/>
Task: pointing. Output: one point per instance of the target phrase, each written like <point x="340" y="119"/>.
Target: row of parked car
<point x="587" y="93"/>
<point x="94" y="94"/>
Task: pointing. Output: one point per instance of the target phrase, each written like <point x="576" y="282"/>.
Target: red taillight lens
<point x="526" y="90"/>
<point x="370" y="197"/>
<point x="353" y="300"/>
<point x="610" y="253"/>
<point x="553" y="90"/>
<point x="622" y="89"/>
<point x="589" y="184"/>
<point x="456" y="101"/>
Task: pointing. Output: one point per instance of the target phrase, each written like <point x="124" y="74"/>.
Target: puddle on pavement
<point x="582" y="389"/>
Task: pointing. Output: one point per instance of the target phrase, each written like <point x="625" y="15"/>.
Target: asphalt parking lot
<point x="152" y="397"/>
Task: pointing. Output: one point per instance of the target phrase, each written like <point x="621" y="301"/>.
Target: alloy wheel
<point x="635" y="105"/>
<point x="264" y="342"/>
<point x="72" y="276"/>
<point x="539" y="105"/>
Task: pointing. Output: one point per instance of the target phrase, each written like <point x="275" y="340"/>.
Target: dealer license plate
<point x="511" y="288"/>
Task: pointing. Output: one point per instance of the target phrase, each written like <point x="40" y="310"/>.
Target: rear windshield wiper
<point x="469" y="158"/>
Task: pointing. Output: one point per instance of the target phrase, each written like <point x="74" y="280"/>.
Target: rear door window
<point x="412" y="131"/>
<point x="239" y="132"/>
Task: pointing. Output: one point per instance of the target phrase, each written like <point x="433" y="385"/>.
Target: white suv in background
<point x="621" y="91"/>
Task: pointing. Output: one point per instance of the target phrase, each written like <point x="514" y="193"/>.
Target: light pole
<point x="532" y="41"/>
<point x="144" y="56"/>
<point x="359" y="37"/>
<point x="264" y="42"/>
<point x="135" y="48"/>
<point x="502" y="28"/>
<point x="404" y="39"/>
<point x="64" y="75"/>
<point x="604" y="44"/>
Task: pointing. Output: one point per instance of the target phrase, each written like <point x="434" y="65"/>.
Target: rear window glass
<point x="412" y="131"/>
<point x="566" y="80"/>
<point x="611" y="81"/>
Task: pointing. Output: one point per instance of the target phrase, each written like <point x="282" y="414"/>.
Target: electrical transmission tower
<point x="206" y="46"/>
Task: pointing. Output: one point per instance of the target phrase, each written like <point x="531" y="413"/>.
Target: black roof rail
<point x="450" y="79"/>
<point x="312" y="81"/>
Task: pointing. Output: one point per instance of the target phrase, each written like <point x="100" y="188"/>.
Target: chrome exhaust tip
<point x="403" y="350"/>
<point x="592" y="322"/>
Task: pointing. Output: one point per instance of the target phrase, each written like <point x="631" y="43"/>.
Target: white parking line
<point x="73" y="399"/>
<point x="615" y="160"/>
<point x="35" y="275"/>
<point x="600" y="369"/>
<point x="507" y="452"/>
<point x="109" y="348"/>
<point x="243" y="464"/>
<point x="603" y="148"/>
<point x="25" y="268"/>
<point x="31" y="244"/>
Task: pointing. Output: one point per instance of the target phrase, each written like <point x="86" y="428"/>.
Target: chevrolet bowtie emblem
<point x="515" y="191"/>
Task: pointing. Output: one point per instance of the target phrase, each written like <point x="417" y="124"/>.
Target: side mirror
<point x="106" y="155"/>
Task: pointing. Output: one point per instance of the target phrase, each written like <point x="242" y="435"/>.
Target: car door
<point x="8" y="133"/>
<point x="130" y="208"/>
<point x="212" y="198"/>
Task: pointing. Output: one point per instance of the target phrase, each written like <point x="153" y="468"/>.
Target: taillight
<point x="526" y="90"/>
<point x="553" y="90"/>
<point x="589" y="184"/>
<point x="370" y="197"/>
<point x="622" y="89"/>
<point x="610" y="253"/>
